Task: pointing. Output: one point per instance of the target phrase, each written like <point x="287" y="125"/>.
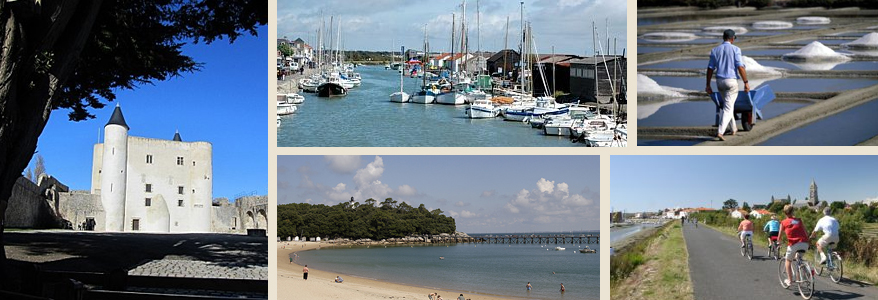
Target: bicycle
<point x="833" y="264"/>
<point x="747" y="250"/>
<point x="774" y="249"/>
<point x="802" y="273"/>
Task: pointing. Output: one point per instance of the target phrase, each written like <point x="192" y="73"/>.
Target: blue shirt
<point x="772" y="225"/>
<point x="725" y="59"/>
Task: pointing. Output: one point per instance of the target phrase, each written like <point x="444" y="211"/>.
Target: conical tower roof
<point x="177" y="137"/>
<point x="117" y="118"/>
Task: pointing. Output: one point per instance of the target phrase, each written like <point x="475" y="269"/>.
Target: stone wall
<point x="247" y="212"/>
<point x="28" y="207"/>
<point x="77" y="207"/>
<point x="225" y="217"/>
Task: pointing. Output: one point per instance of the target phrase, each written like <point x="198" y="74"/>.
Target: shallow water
<point x="699" y="41"/>
<point x="847" y="128"/>
<point x="653" y="49"/>
<point x="778" y="85"/>
<point x="367" y="118"/>
<point x="672" y="19"/>
<point x="703" y="113"/>
<point x="620" y="233"/>
<point x="702" y="64"/>
<point x="667" y="142"/>
<point x="490" y="268"/>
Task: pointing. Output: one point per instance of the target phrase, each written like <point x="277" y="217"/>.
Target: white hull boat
<point x="482" y="109"/>
<point x="399" y="97"/>
<point x="285" y="109"/>
<point x="451" y="98"/>
<point x="423" y="97"/>
<point x="560" y="248"/>
<point x="558" y="126"/>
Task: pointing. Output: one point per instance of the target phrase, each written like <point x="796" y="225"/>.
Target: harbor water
<point x="487" y="268"/>
<point x="367" y="118"/>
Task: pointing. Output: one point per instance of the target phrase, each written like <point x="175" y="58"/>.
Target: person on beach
<point x="461" y="297"/>
<point x="305" y="271"/>
<point x="726" y="60"/>
<point x="528" y="286"/>
<point x="338" y="279"/>
<point x="438" y="297"/>
<point x="431" y="295"/>
<point x="562" y="288"/>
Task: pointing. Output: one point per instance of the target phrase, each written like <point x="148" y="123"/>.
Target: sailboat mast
<point x="423" y="59"/>
<point x="505" y="47"/>
<point x="479" y="34"/>
<point x="554" y="91"/>
<point x="331" y="35"/>
<point x="521" y="51"/>
<point x="463" y="35"/>
<point x="453" y="25"/>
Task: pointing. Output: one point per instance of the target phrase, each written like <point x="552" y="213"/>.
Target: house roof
<point x="117" y="118"/>
<point x="557" y="58"/>
<point x="592" y="60"/>
<point x="499" y="55"/>
<point x="762" y="212"/>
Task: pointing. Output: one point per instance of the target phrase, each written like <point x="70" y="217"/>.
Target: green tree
<point x="388" y="203"/>
<point x="730" y="204"/>
<point x="285" y="49"/>
<point x="745" y="206"/>
<point x="74" y="54"/>
<point x="371" y="202"/>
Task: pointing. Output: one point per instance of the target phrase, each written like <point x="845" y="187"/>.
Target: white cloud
<point x="577" y="200"/>
<point x="486" y="194"/>
<point x="338" y="188"/>
<point x="468" y="214"/>
<point x="545" y="186"/>
<point x="511" y="208"/>
<point x="406" y="190"/>
<point x="461" y="204"/>
<point x="370" y="173"/>
<point x="344" y="164"/>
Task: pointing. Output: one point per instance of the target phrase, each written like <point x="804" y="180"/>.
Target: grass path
<point x="664" y="275"/>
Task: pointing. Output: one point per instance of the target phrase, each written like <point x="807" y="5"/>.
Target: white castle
<point x="152" y="185"/>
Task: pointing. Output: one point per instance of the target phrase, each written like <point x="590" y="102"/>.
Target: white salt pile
<point x="669" y="36"/>
<point x="813" y="20"/>
<point x="869" y="41"/>
<point x="649" y="88"/>
<point x="755" y="69"/>
<point x="772" y="25"/>
<point x="815" y="51"/>
<point x="718" y="30"/>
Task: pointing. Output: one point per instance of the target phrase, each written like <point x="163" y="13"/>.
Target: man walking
<point x="726" y="60"/>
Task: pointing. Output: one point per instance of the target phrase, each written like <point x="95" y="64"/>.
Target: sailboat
<point x="427" y="94"/>
<point x="449" y="94"/>
<point x="400" y="97"/>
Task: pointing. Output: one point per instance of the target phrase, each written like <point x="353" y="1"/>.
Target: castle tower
<point x="814" y="200"/>
<point x="114" y="171"/>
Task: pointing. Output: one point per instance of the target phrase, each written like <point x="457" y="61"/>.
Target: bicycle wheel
<point x="806" y="281"/>
<point x="836" y="270"/>
<point x="749" y="250"/>
<point x="782" y="273"/>
<point x="819" y="267"/>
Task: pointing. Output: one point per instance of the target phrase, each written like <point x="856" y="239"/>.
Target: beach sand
<point x="321" y="285"/>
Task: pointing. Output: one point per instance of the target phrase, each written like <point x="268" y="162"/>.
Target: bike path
<point x="719" y="272"/>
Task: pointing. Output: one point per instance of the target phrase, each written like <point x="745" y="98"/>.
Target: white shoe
<point x="786" y="282"/>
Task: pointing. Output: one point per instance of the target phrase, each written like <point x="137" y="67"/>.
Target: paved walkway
<point x="718" y="271"/>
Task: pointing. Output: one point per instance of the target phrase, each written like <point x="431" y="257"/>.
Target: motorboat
<point x="559" y="126"/>
<point x="587" y="250"/>
<point x="560" y="248"/>
<point x="451" y="98"/>
<point x="284" y="108"/>
<point x="424" y="96"/>
<point x="400" y="97"/>
<point x="308" y="85"/>
<point x="528" y="110"/>
<point x="292" y="98"/>
<point x="331" y="89"/>
<point x="482" y="109"/>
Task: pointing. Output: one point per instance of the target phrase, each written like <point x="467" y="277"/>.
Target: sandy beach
<point x="321" y="285"/>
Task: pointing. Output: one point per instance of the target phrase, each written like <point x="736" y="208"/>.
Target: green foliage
<point x="745" y="206"/>
<point x="626" y="260"/>
<point x="730" y="204"/>
<point x="834" y="3"/>
<point x="361" y="221"/>
<point x="285" y="49"/>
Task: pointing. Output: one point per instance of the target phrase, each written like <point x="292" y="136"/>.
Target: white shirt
<point x="828" y="225"/>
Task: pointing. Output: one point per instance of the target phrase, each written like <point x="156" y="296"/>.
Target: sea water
<point x="367" y="118"/>
<point x="471" y="267"/>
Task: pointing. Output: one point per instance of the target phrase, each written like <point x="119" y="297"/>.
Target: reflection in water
<point x="847" y="128"/>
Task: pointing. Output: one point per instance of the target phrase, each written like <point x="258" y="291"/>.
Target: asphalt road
<point x="718" y="271"/>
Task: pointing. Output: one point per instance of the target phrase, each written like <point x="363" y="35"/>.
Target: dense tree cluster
<point x="373" y="220"/>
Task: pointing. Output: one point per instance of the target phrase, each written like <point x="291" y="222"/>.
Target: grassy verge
<point x="852" y="270"/>
<point x="663" y="272"/>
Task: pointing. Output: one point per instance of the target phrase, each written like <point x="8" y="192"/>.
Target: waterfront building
<point x="582" y="77"/>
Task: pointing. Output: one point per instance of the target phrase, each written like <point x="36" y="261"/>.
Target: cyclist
<point x="829" y="226"/>
<point x="773" y="229"/>
<point x="745" y="228"/>
<point x="797" y="238"/>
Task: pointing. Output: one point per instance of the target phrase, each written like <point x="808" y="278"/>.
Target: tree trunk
<point x="41" y="43"/>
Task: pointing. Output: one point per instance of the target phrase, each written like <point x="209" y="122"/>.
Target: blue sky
<point x="376" y="24"/>
<point x="483" y="193"/>
<point x="650" y="183"/>
<point x="223" y="104"/>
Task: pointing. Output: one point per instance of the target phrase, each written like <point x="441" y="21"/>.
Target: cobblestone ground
<point x="200" y="293"/>
<point x="200" y="269"/>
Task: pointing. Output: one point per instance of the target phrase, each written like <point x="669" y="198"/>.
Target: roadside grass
<point x="664" y="273"/>
<point x="852" y="270"/>
<point x="870" y="230"/>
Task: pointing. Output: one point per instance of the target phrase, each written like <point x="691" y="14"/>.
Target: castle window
<point x="179" y="160"/>
<point x="149" y="158"/>
<point x="148" y="188"/>
<point x="135" y="225"/>
<point x="180" y="190"/>
<point x="180" y="203"/>
<point x="148" y="202"/>
<point x="193" y="163"/>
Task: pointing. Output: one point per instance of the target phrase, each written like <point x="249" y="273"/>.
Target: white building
<point x="152" y="185"/>
<point x="738" y="214"/>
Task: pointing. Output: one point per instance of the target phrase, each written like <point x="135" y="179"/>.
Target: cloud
<point x="442" y="201"/>
<point x="468" y="214"/>
<point x="406" y="190"/>
<point x="545" y="186"/>
<point x="487" y="194"/>
<point x="461" y="204"/>
<point x="344" y="164"/>
<point x="338" y="188"/>
<point x="511" y="208"/>
<point x="370" y="173"/>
